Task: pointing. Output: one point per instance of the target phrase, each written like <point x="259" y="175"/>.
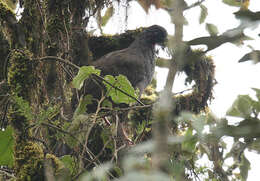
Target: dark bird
<point x="137" y="62"/>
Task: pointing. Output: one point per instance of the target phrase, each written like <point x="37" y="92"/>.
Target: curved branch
<point x="97" y="76"/>
<point x="59" y="60"/>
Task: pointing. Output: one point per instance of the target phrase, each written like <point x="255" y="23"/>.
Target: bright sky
<point x="233" y="78"/>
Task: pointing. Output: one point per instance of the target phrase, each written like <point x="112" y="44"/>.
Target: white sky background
<point x="233" y="78"/>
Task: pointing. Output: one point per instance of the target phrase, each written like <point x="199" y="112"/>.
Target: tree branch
<point x="163" y="63"/>
<point x="194" y="4"/>
<point x="178" y="20"/>
<point x="97" y="76"/>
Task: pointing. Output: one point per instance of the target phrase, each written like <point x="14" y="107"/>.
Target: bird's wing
<point x="125" y="62"/>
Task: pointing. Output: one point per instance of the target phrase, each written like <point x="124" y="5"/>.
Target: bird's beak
<point x="163" y="44"/>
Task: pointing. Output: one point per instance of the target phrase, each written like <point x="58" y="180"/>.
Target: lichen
<point x="27" y="154"/>
<point x="8" y="23"/>
<point x="20" y="73"/>
<point x="5" y="11"/>
<point x="29" y="161"/>
<point x="33" y="31"/>
<point x="201" y="70"/>
<point x="4" y="47"/>
<point x="55" y="163"/>
<point x="58" y="25"/>
<point x="102" y="45"/>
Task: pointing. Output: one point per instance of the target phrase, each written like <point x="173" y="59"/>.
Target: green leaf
<point x="212" y="29"/>
<point x="257" y="91"/>
<point x="123" y="84"/>
<point x="108" y="14"/>
<point x="247" y="15"/>
<point x="253" y="55"/>
<point x="255" y="145"/>
<point x="232" y="2"/>
<point x="256" y="106"/>
<point x="203" y="13"/>
<point x="240" y="41"/>
<point x="189" y="144"/>
<point x="79" y="123"/>
<point x="242" y="107"/>
<point x="199" y="123"/>
<point x="83" y="74"/>
<point x="6" y="147"/>
<point x="244" y="167"/>
<point x="48" y="114"/>
<point x="82" y="107"/>
<point x="107" y="103"/>
<point x="24" y="107"/>
<point x="69" y="163"/>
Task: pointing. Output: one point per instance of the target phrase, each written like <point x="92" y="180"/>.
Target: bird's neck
<point x="143" y="46"/>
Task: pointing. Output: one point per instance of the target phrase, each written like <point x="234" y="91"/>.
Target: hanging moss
<point x="32" y="31"/>
<point x="102" y="45"/>
<point x="201" y="70"/>
<point x="20" y="73"/>
<point x="4" y="47"/>
<point x="58" y="26"/>
<point x="28" y="155"/>
<point x="5" y="11"/>
<point x="29" y="161"/>
<point x="9" y="25"/>
<point x="60" y="172"/>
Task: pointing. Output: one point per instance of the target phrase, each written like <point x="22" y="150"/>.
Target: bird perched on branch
<point x="137" y="62"/>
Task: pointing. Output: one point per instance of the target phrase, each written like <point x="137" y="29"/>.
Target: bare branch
<point x="194" y="4"/>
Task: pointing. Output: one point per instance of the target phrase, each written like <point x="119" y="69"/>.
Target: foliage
<point x="122" y="83"/>
<point x="6" y="149"/>
<point x="83" y="74"/>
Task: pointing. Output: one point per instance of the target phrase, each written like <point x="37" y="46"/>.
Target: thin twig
<point x="182" y="91"/>
<point x="92" y="161"/>
<point x="194" y="4"/>
<point x="97" y="76"/>
<point x="58" y="59"/>
<point x="7" y="174"/>
<point x="128" y="108"/>
<point x="92" y="125"/>
<point x="185" y="8"/>
<point x="68" y="133"/>
<point x="41" y="141"/>
<point x="120" y="90"/>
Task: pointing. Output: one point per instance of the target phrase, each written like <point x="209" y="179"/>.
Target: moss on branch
<point x="102" y="45"/>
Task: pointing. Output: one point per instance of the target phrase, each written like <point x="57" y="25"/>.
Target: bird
<point x="136" y="62"/>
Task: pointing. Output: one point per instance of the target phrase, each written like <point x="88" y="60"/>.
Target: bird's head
<point x="154" y="35"/>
